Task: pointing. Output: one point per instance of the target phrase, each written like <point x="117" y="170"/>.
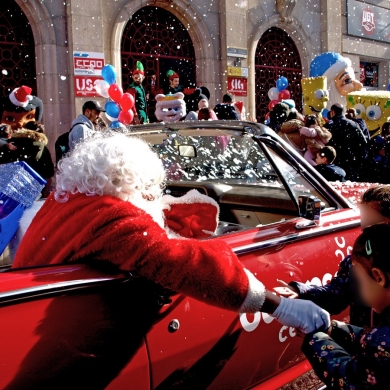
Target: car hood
<point x="352" y="190"/>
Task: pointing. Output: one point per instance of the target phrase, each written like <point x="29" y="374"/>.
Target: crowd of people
<point x="354" y="155"/>
<point x="340" y="148"/>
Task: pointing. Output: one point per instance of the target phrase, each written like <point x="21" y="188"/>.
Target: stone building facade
<point x="262" y="39"/>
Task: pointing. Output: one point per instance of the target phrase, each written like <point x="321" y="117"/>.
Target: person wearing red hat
<point x="136" y="88"/>
<point x="27" y="142"/>
<point x="174" y="80"/>
<point x="20" y="107"/>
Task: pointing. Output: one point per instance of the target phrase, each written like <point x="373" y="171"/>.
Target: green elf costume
<point x="137" y="90"/>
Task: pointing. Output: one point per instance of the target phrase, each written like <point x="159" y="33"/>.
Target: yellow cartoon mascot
<point x="315" y="95"/>
<point x="372" y="106"/>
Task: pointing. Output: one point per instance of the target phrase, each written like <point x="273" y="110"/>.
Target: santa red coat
<point x="105" y="228"/>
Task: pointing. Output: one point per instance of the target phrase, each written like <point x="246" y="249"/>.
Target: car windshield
<point x="223" y="158"/>
<point x="250" y="178"/>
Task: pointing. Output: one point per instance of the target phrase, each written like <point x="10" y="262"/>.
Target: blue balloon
<point x="388" y="87"/>
<point x="109" y="74"/>
<point x="325" y="113"/>
<point x="112" y="109"/>
<point x="281" y="83"/>
<point x="116" y="125"/>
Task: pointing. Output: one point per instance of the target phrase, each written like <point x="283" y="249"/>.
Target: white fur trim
<point x="255" y="297"/>
<point x="190" y="197"/>
<point x="336" y="68"/>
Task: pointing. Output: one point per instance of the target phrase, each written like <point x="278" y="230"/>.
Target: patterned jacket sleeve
<point x="335" y="296"/>
<point x="350" y="358"/>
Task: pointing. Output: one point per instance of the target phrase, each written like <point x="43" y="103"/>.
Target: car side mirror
<point x="187" y="151"/>
<point x="310" y="208"/>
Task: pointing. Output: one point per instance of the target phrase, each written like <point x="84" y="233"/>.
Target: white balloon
<point x="101" y="87"/>
<point x="110" y="118"/>
<point x="273" y="93"/>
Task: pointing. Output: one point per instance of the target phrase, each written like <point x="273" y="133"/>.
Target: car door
<point x="72" y="326"/>
<point x="194" y="345"/>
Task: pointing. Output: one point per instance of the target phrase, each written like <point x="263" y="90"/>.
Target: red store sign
<point x="87" y="69"/>
<point x="238" y="86"/>
<point x="84" y="86"/>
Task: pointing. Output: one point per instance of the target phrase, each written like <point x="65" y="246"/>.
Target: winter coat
<point x="351" y="357"/>
<point x="350" y="145"/>
<point x="338" y="294"/>
<point x="106" y="229"/>
<point x="31" y="148"/>
<point x="225" y="111"/>
<point x="289" y="131"/>
<point x="362" y="124"/>
<point x="316" y="137"/>
<point x="82" y="128"/>
<point x="331" y="172"/>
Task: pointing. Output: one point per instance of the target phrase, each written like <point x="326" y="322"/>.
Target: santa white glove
<point x="301" y="314"/>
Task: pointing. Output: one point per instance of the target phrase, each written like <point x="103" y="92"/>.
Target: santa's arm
<point x="205" y="270"/>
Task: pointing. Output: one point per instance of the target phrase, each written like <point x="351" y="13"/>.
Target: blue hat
<point x="329" y="64"/>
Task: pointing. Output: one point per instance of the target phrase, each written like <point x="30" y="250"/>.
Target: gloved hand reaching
<point x="301" y="314"/>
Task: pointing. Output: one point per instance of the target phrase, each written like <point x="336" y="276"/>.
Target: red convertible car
<point x="75" y="326"/>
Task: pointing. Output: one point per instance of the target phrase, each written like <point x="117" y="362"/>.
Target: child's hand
<point x="285" y="290"/>
<point x="11" y="146"/>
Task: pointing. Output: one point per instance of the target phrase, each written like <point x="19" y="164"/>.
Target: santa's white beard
<point x="334" y="96"/>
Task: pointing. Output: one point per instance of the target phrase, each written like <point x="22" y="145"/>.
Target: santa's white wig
<point x="110" y="163"/>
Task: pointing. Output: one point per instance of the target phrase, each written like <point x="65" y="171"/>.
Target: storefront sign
<point x="368" y="21"/>
<point x="369" y="74"/>
<point x="238" y="86"/>
<point x="237" y="52"/>
<point x="237" y="71"/>
<point x="87" y="69"/>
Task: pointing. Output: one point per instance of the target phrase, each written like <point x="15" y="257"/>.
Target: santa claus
<point x="109" y="207"/>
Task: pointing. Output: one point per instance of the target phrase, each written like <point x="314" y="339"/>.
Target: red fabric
<point x="173" y="76"/>
<point x="22" y="92"/>
<point x="189" y="220"/>
<point x="131" y="91"/>
<point x="239" y="105"/>
<point x="104" y="228"/>
<point x="189" y="91"/>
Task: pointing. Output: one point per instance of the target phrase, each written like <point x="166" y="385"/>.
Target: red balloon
<point x="285" y="94"/>
<point x="126" y="117"/>
<point x="127" y="101"/>
<point x="267" y="116"/>
<point x="272" y="104"/>
<point x="115" y="92"/>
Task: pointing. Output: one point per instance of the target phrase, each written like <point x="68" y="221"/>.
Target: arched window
<point x="17" y="54"/>
<point x="276" y="55"/>
<point x="161" y="42"/>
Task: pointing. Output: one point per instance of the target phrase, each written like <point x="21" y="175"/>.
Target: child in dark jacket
<point x="324" y="160"/>
<point x="349" y="357"/>
<point x="337" y="295"/>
